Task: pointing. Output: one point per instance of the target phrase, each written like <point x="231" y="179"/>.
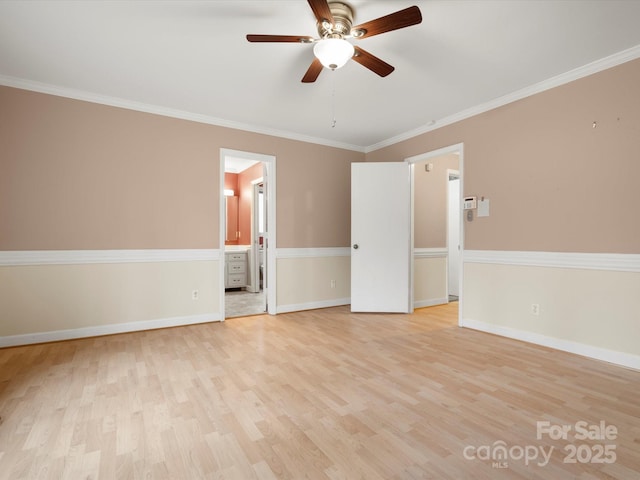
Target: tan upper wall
<point x="555" y="183"/>
<point x="314" y="197"/>
<point x="431" y="201"/>
<point x="76" y="175"/>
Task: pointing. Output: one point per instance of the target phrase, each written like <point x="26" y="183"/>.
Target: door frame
<point x="269" y="164"/>
<point x="455" y="173"/>
<point x="254" y="267"/>
<point x="455" y="148"/>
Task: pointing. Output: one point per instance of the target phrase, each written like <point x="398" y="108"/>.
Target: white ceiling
<point x="237" y="164"/>
<point x="191" y="59"/>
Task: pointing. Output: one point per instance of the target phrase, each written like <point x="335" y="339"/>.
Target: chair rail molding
<point x="73" y="257"/>
<point x="589" y="261"/>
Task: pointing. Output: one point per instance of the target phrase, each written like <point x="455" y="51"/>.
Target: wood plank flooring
<point x="323" y="394"/>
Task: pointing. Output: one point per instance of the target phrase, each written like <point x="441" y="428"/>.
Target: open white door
<point x="269" y="237"/>
<point x="381" y="237"/>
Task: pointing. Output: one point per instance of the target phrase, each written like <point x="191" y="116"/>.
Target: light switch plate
<point x="483" y="207"/>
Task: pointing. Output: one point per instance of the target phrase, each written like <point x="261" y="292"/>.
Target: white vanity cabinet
<point x="235" y="271"/>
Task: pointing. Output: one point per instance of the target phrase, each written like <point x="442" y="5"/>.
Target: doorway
<point x="247" y="267"/>
<point x="439" y="240"/>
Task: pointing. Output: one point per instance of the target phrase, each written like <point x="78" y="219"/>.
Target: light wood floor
<point x="323" y="394"/>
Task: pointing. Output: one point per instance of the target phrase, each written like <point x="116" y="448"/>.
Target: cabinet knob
<point x="355" y="246"/>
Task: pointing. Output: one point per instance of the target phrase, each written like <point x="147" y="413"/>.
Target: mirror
<point x="231" y="234"/>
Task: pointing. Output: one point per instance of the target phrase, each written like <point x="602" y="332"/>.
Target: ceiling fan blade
<point x="321" y="10"/>
<point x="394" y="21"/>
<point x="279" y="38"/>
<point x="372" y="62"/>
<point x="312" y="73"/>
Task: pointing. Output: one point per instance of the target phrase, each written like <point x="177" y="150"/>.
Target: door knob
<point x="355" y="246"/>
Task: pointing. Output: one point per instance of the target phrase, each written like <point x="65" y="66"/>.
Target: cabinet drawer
<point x="236" y="257"/>
<point x="236" y="280"/>
<point x="236" y="267"/>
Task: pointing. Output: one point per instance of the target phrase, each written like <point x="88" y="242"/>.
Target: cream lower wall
<point x="304" y="282"/>
<point x="57" y="295"/>
<point x="429" y="281"/>
<point x="304" y="278"/>
<point x="52" y="302"/>
<point x="587" y="311"/>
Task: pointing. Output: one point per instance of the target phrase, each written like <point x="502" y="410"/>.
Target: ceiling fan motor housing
<point x="334" y="22"/>
<point x="343" y="20"/>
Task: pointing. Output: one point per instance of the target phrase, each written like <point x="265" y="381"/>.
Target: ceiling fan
<point x="332" y="50"/>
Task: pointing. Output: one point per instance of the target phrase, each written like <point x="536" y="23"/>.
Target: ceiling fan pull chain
<point x="333" y="99"/>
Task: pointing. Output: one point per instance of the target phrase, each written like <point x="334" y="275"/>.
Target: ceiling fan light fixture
<point x="333" y="52"/>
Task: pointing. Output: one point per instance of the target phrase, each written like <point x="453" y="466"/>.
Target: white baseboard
<point x="347" y="301"/>
<point x="606" y="355"/>
<point x="336" y="302"/>
<point x="70" y="334"/>
<point x="430" y="302"/>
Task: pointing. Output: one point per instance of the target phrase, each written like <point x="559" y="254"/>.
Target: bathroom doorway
<point x="247" y="231"/>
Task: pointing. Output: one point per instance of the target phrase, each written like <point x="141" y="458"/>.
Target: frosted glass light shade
<point x="333" y="52"/>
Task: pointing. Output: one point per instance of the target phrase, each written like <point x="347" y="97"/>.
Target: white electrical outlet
<point x="194" y="295"/>
<point x="535" y="309"/>
<point x="333" y="284"/>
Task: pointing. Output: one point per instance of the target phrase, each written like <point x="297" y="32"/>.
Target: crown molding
<point x="58" y="91"/>
<point x="611" y="61"/>
<point x="616" y="59"/>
